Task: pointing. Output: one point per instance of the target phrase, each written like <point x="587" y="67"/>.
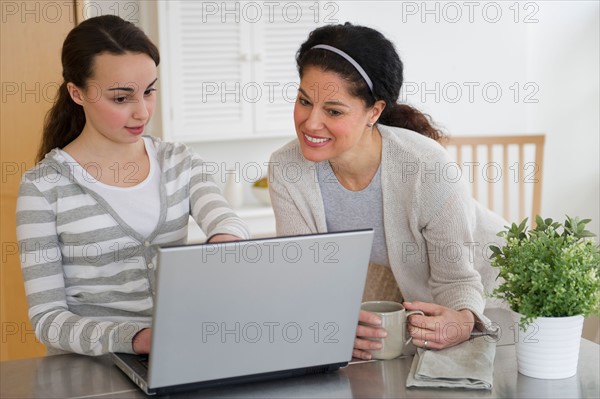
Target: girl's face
<point x="119" y="98"/>
<point x="331" y="124"/>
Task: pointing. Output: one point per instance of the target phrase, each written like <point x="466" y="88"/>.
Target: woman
<point x="102" y="195"/>
<point x="364" y="161"/>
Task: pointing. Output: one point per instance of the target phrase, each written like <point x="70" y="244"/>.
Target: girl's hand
<point x="224" y="238"/>
<point x="441" y="327"/>
<point x="141" y="341"/>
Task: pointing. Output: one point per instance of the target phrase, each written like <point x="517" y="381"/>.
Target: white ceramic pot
<point x="549" y="348"/>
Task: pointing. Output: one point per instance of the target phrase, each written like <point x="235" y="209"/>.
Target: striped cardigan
<point x="89" y="277"/>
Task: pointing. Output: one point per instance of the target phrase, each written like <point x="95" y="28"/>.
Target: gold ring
<point x="425" y="344"/>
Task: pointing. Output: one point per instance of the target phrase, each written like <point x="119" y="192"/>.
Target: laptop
<point x="252" y="310"/>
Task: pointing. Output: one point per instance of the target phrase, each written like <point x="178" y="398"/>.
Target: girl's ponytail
<point x="63" y="123"/>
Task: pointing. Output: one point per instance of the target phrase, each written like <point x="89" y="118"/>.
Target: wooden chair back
<point x="505" y="172"/>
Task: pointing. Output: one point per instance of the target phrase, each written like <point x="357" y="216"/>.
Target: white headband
<point x="350" y="60"/>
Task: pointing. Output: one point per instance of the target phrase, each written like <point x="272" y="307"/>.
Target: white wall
<point x="565" y="60"/>
<point x="542" y="55"/>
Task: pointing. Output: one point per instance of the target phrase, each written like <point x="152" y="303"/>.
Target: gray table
<point x="69" y="376"/>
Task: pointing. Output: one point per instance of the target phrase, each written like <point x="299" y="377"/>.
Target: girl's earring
<point x="369" y="124"/>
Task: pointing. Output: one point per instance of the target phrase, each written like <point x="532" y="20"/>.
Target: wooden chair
<point x="505" y="172"/>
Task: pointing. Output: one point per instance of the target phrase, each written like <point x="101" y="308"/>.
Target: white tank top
<point x="139" y="205"/>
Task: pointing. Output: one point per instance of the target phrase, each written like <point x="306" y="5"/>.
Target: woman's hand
<point x="441" y="327"/>
<point x="141" y="341"/>
<point x="361" y="345"/>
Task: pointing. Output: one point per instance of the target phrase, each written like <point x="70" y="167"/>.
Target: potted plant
<point x="550" y="277"/>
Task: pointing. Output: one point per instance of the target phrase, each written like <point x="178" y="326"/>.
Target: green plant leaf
<point x="495" y="249"/>
<point x="552" y="270"/>
<point x="538" y="220"/>
<point x="523" y="225"/>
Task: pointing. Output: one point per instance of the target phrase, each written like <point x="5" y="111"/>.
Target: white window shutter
<point x="275" y="45"/>
<point x="206" y="64"/>
<point x="229" y="77"/>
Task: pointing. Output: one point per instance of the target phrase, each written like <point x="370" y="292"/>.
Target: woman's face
<point x="119" y="98"/>
<point x="330" y="123"/>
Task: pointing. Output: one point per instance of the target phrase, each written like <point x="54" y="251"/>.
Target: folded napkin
<point x="468" y="365"/>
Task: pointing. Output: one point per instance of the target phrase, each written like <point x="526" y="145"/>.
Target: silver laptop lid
<point x="250" y="307"/>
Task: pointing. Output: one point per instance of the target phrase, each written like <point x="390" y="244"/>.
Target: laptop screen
<point x="258" y="306"/>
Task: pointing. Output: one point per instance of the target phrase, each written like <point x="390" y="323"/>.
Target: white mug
<point x="394" y="319"/>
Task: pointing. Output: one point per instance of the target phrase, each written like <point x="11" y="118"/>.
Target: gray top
<point x="436" y="234"/>
<point x="351" y="210"/>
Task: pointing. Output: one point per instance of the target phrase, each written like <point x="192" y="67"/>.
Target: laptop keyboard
<point x="143" y="360"/>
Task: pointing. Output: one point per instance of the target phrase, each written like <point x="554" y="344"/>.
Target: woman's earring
<point x="369" y="124"/>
